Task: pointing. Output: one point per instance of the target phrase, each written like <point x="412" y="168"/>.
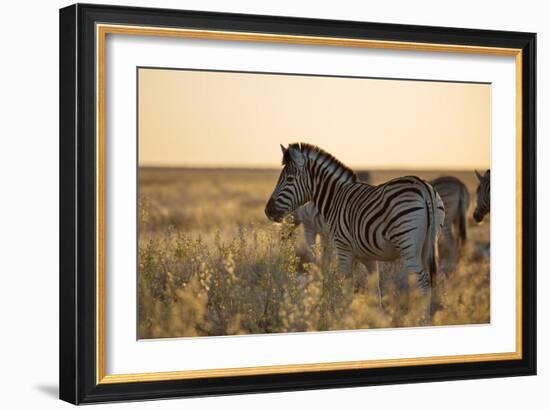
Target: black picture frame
<point x="78" y="360"/>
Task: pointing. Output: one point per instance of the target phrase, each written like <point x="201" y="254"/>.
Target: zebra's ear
<point x="479" y="176"/>
<point x="296" y="156"/>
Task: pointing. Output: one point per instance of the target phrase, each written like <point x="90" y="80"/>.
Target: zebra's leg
<point x="412" y="262"/>
<point x="452" y="246"/>
<point x="346" y="260"/>
<point x="448" y="244"/>
<point x="372" y="268"/>
<point x="310" y="237"/>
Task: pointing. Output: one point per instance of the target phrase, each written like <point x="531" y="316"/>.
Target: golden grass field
<point x="210" y="263"/>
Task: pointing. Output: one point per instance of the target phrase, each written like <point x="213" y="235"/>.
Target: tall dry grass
<point x="210" y="264"/>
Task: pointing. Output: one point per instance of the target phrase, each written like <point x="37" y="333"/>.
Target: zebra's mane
<point x="308" y="149"/>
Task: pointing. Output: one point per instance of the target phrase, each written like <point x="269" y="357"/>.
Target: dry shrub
<point x="253" y="284"/>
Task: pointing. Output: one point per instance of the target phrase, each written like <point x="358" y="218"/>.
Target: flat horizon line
<point x="264" y="168"/>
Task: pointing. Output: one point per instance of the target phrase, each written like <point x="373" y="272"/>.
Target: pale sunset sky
<point x="220" y="119"/>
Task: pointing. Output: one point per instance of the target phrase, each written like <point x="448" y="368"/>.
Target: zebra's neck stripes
<point x="327" y="174"/>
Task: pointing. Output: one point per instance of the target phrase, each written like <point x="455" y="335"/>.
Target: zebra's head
<point x="483" y="205"/>
<point x="293" y="188"/>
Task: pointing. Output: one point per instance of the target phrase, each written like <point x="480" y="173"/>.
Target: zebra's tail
<point x="464" y="203"/>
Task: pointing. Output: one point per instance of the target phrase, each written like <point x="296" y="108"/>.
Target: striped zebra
<point x="314" y="224"/>
<point x="456" y="200"/>
<point x="397" y="219"/>
<point x="483" y="205"/>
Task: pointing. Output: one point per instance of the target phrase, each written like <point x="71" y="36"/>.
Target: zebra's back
<point x="380" y="222"/>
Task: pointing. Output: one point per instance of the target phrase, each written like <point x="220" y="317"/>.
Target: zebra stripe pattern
<point x="483" y="205"/>
<point x="456" y="200"/>
<point x="312" y="221"/>
<point x="398" y="219"/>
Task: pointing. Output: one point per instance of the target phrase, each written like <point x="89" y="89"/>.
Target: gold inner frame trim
<point x="101" y="33"/>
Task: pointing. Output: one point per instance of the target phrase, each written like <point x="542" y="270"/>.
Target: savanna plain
<point x="211" y="263"/>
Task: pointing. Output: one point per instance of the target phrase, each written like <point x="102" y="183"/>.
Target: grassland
<point x="210" y="263"/>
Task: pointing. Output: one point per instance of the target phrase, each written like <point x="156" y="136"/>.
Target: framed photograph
<point x="257" y="203"/>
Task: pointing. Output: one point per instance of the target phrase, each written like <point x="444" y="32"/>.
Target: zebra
<point x="456" y="200"/>
<point x="397" y="219"/>
<point x="483" y="192"/>
<point x="313" y="222"/>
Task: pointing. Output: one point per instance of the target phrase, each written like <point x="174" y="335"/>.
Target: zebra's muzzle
<point x="272" y="213"/>
<point x="478" y="216"/>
